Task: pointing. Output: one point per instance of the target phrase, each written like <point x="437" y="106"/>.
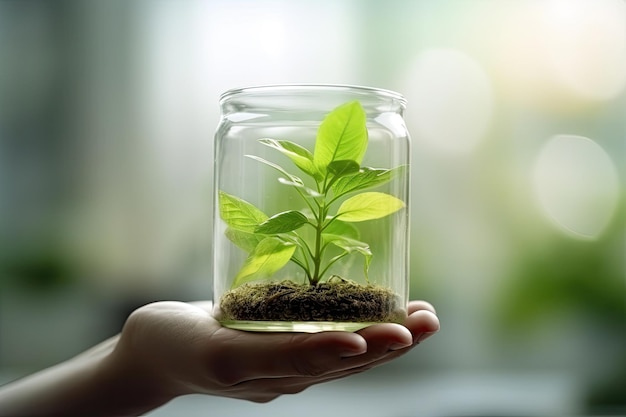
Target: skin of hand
<point x="168" y="349"/>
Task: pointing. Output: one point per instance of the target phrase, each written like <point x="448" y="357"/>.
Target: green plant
<point x="334" y="167"/>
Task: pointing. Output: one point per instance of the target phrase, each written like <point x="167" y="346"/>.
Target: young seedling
<point x="335" y="169"/>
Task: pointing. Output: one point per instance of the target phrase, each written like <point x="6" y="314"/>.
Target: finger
<point x="382" y="341"/>
<point x="237" y="356"/>
<point x="422" y="324"/>
<point x="384" y="337"/>
<point x="203" y="304"/>
<point x="388" y="341"/>
<point x="421" y="305"/>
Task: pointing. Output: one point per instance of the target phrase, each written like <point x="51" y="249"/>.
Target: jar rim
<point x="338" y="88"/>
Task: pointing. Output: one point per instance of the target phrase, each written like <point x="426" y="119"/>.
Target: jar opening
<point x="293" y="96"/>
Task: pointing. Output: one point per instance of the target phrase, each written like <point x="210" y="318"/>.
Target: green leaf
<point x="368" y="206"/>
<point x="342" y="135"/>
<point x="290" y="177"/>
<point x="343" y="167"/>
<point x="308" y="191"/>
<point x="244" y="240"/>
<point x="300" y="156"/>
<point x="282" y="223"/>
<point x="365" y="178"/>
<point x="239" y="214"/>
<point x="339" y="228"/>
<point x="269" y="256"/>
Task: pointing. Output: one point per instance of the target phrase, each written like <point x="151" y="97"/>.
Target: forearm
<point x="94" y="383"/>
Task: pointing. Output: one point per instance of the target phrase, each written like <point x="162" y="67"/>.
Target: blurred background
<point x="517" y="111"/>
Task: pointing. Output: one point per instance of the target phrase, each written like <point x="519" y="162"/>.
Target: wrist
<point x="95" y="383"/>
<point x="130" y="386"/>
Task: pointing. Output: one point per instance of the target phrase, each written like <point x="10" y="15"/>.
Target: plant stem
<point x="317" y="258"/>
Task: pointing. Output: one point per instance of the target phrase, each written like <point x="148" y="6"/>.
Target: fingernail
<point x="351" y="353"/>
<point x="398" y="346"/>
<point x="423" y="336"/>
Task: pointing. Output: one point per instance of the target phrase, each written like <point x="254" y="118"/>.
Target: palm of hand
<point x="178" y="348"/>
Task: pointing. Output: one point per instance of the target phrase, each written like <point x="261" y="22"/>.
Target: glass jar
<point x="311" y="223"/>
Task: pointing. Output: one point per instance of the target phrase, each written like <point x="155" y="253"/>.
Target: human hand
<point x="172" y="348"/>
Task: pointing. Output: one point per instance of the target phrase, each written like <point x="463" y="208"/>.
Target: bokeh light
<point x="245" y="42"/>
<point x="568" y="52"/>
<point x="587" y="46"/>
<point x="576" y="184"/>
<point x="451" y="100"/>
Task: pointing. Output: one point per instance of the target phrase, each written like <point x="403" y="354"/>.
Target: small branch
<point x="333" y="260"/>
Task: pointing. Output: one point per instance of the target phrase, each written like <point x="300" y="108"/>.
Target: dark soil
<point x="336" y="300"/>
